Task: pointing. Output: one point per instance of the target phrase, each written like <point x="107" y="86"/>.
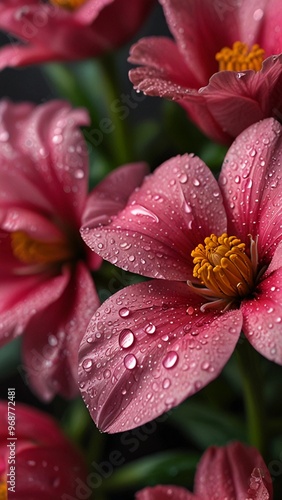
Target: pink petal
<point x="51" y="153"/>
<point x="24" y="296"/>
<point x="147" y="349"/>
<point x="173" y="211"/>
<point x="236" y="100"/>
<point x="201" y="29"/>
<point x="53" y="353"/>
<point x="34" y="426"/>
<point x="165" y="493"/>
<point x="250" y="182"/>
<point x="163" y="61"/>
<point x="45" y="473"/>
<point x="263" y="316"/>
<point x="271" y="21"/>
<point x="225" y="472"/>
<point x="258" y="488"/>
<point x="32" y="223"/>
<point x="90" y="10"/>
<point x="111" y="195"/>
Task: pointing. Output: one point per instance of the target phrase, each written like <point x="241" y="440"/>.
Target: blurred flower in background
<point x="67" y="30"/>
<point x="215" y="250"/>
<point x="234" y="471"/>
<point x="224" y="65"/>
<point x="46" y="288"/>
<point x="42" y="462"/>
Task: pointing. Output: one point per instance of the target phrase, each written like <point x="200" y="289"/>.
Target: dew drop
<point x="190" y="310"/>
<point x="126" y="338"/>
<point x="124" y="312"/>
<point x="79" y="173"/>
<point x="237" y="179"/>
<point x="183" y="178"/>
<point x="205" y="365"/>
<point x="170" y="359"/>
<point x="107" y="374"/>
<point x="130" y="361"/>
<point x="87" y="364"/>
<point x="150" y="328"/>
<point x="196" y="182"/>
<point x="166" y="383"/>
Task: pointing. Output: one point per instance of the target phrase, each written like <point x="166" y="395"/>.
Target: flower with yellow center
<point x="32" y="251"/>
<point x="240" y="58"/>
<point x="226" y="273"/>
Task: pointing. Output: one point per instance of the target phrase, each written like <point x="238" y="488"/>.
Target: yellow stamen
<point x="68" y="4"/>
<point x="32" y="251"/>
<point x="3" y="490"/>
<point x="223" y="267"/>
<point x="240" y="58"/>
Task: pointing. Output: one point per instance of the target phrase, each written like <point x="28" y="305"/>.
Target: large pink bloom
<point x="46" y="288"/>
<point x="221" y="103"/>
<point x="41" y="462"/>
<point x="153" y="344"/>
<point x="52" y="32"/>
<point x="233" y="472"/>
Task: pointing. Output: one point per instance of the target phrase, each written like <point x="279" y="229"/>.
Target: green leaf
<point x="173" y="467"/>
<point x="206" y="426"/>
<point x="10" y="358"/>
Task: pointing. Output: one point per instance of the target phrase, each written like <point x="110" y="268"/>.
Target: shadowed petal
<point x="111" y="195"/>
<point x="165" y="493"/>
<point x="263" y="318"/>
<point x="226" y="472"/>
<point x="147" y="349"/>
<point x="24" y="297"/>
<point x="51" y="342"/>
<point x="238" y="99"/>
<point x="163" y="61"/>
<point x="173" y="211"/>
<point x="251" y="184"/>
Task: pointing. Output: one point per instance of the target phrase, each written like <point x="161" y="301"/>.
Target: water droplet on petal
<point x="87" y="364"/>
<point x="170" y="359"/>
<point x="126" y="338"/>
<point x="166" y="383"/>
<point x="130" y="361"/>
<point x="124" y="312"/>
<point x="79" y="173"/>
<point x="150" y="329"/>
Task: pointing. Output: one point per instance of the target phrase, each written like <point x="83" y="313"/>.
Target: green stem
<point x="120" y="140"/>
<point x="248" y="361"/>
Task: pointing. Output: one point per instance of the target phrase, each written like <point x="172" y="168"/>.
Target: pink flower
<point x="65" y="30"/>
<point x="46" y="288"/>
<point x="233" y="472"/>
<point x="41" y="462"/>
<point x="224" y="88"/>
<point x="214" y="250"/>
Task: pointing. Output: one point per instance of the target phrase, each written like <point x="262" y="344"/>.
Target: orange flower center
<point x="3" y="489"/>
<point x="223" y="267"/>
<point x="240" y="58"/>
<point x="68" y="4"/>
<point x="32" y="251"/>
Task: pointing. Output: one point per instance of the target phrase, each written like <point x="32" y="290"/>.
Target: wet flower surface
<point x="66" y="30"/>
<point x="233" y="472"/>
<point x="46" y="288"/>
<point x="153" y="344"/>
<point x="46" y="465"/>
<point x="224" y="65"/>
